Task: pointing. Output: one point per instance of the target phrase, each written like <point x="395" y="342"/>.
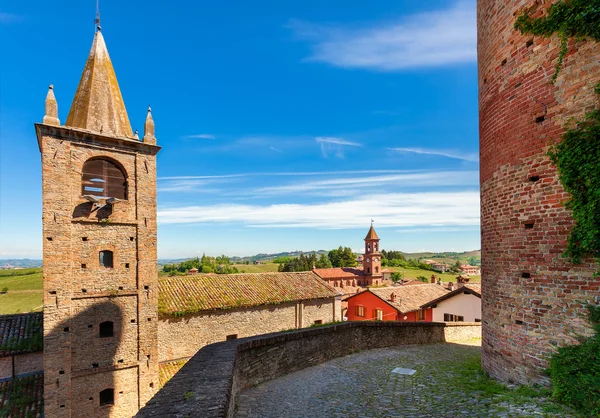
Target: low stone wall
<point x="23" y="364"/>
<point x="208" y="384"/>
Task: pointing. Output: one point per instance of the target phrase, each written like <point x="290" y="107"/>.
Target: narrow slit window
<point x="106" y="329"/>
<point x="106" y="258"/>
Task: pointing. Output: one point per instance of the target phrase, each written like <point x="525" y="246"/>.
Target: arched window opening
<point x="106" y="329"/>
<point x="103" y="178"/>
<point x="376" y="269"/>
<point x="368" y="269"/>
<point x="106" y="258"/>
<point x="107" y="397"/>
<point x="368" y="247"/>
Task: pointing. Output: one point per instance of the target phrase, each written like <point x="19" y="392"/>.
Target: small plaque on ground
<point x="401" y="370"/>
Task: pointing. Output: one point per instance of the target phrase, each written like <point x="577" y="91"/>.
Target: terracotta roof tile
<point x="21" y="333"/>
<point x="339" y="272"/>
<point x="410" y="298"/>
<point x="168" y="369"/>
<point x="190" y="294"/>
<point x="371" y="234"/>
<point x="473" y="288"/>
<point x="23" y="397"/>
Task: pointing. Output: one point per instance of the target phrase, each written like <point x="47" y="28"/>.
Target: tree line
<point x="206" y="264"/>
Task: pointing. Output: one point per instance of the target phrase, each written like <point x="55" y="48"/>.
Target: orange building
<point x="398" y="303"/>
<point x="350" y="280"/>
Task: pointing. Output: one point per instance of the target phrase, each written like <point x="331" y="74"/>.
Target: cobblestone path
<point x="362" y="386"/>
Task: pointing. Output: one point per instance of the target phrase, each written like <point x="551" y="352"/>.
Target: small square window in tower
<point x="106" y="258"/>
<point x="107" y="397"/>
<point x="106" y="329"/>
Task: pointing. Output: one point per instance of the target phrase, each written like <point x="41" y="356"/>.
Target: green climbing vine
<point x="577" y="19"/>
<point x="577" y="156"/>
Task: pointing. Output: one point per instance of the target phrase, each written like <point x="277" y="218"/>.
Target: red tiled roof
<point x="409" y="298"/>
<point x="339" y="273"/>
<point x="371" y="234"/>
<point x="191" y="294"/>
<point x="472" y="288"/>
<point x="21" y="333"/>
<point x="168" y="369"/>
<point x="412" y="282"/>
<point x="23" y="397"/>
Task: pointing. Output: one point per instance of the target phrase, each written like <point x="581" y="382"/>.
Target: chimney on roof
<point x="451" y="286"/>
<point x="433" y="278"/>
<point x="393" y="297"/>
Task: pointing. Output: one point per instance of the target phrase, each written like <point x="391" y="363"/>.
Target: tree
<point x="342" y="257"/>
<point x="396" y="277"/>
<point x="323" y="262"/>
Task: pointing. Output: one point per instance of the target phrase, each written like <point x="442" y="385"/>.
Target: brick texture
<point x="80" y="294"/>
<point x="533" y="298"/>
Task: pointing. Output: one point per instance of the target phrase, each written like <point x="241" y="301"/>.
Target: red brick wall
<point x="533" y="298"/>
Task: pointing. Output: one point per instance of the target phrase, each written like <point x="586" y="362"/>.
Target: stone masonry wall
<point x="182" y="337"/>
<point x="208" y="384"/>
<point x="533" y="298"/>
<point x="24" y="364"/>
<point x="80" y="294"/>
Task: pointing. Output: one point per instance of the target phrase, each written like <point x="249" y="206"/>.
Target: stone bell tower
<point x="372" y="257"/>
<point x="100" y="267"/>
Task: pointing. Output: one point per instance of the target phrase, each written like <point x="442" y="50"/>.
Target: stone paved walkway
<point x="362" y="385"/>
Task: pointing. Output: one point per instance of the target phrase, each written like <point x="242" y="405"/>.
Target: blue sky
<point x="285" y="125"/>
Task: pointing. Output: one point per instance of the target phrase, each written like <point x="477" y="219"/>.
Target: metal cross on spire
<point x="97" y="20"/>
<point x="372" y="222"/>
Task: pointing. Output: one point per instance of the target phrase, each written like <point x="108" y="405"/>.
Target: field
<point x="414" y="273"/>
<point x="256" y="268"/>
<point x="21" y="291"/>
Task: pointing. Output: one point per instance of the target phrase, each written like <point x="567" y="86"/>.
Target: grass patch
<point x="413" y="274"/>
<point x="24" y="290"/>
<point x="256" y="268"/>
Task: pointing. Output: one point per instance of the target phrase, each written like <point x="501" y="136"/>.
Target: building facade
<point x="398" y="303"/>
<point x="222" y="307"/>
<point x="459" y="305"/>
<point x="99" y="250"/>
<point x="533" y="298"/>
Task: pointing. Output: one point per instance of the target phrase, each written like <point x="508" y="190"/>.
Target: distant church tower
<point x="372" y="257"/>
<point x="100" y="267"/>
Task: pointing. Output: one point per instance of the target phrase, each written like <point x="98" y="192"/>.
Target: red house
<point x="399" y="303"/>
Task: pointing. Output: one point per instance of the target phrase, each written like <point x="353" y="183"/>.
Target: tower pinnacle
<point x="51" y="115"/>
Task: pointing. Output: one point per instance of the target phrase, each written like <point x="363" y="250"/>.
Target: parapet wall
<point x="207" y="386"/>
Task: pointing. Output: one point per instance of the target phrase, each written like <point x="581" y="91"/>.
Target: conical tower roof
<point x="372" y="234"/>
<point x="98" y="105"/>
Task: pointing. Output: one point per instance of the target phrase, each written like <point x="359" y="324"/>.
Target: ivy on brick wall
<point x="577" y="19"/>
<point x="577" y="156"/>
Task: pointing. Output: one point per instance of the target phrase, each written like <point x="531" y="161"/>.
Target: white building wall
<point x="468" y="306"/>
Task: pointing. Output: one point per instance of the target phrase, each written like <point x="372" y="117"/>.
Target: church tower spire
<point x="98" y="105"/>
<point x="372" y="257"/>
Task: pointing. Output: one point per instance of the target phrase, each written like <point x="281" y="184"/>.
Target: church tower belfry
<point x="99" y="251"/>
<point x="372" y="256"/>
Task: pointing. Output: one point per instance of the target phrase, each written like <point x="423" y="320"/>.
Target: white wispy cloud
<point x="356" y="185"/>
<point x="332" y="146"/>
<point x="390" y="210"/>
<point x="199" y="136"/>
<point x="443" y="153"/>
<point x="429" y="39"/>
<point x="8" y="17"/>
<point x="286" y="174"/>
